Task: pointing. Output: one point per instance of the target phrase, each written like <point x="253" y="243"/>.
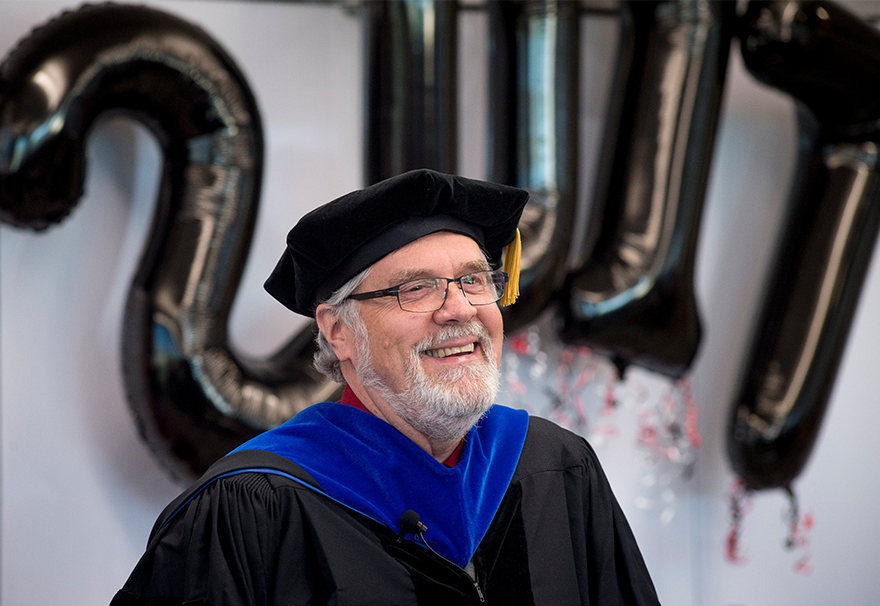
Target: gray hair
<point x="346" y="311"/>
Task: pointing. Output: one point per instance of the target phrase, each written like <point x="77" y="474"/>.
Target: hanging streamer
<point x="741" y="503"/>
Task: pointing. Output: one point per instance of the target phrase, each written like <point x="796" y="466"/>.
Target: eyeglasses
<point x="429" y="294"/>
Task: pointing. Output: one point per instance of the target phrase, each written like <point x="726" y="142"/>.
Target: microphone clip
<point x="410" y="524"/>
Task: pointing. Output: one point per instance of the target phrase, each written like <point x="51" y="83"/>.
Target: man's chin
<point x="449" y="427"/>
<point x="468" y="395"/>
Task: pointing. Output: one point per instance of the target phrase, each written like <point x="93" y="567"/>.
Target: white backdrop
<point x="80" y="491"/>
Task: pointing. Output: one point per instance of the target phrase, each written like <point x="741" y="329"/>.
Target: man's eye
<point x="418" y="286"/>
<point x="476" y="280"/>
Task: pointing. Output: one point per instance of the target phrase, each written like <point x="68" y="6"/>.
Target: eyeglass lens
<point x="428" y="294"/>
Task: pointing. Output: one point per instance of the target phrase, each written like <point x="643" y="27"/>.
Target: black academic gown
<point x="558" y="538"/>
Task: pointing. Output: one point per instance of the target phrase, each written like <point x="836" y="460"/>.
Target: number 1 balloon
<point x="632" y="295"/>
<point x="829" y="60"/>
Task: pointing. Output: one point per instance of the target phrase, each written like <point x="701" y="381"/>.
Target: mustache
<point x="471" y="329"/>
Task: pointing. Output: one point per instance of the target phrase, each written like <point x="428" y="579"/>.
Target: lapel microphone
<point x="410" y="524"/>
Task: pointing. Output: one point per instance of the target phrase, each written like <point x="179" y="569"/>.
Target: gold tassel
<point x="511" y="266"/>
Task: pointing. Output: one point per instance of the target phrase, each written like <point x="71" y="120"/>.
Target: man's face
<point x="437" y="370"/>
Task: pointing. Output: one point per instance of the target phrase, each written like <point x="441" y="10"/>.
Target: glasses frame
<point x="394" y="291"/>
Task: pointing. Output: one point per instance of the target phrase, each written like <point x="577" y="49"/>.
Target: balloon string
<point x="799" y="527"/>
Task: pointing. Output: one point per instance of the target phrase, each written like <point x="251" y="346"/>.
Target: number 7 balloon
<point x="829" y="60"/>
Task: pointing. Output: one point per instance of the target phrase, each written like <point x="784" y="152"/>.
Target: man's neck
<point x="439" y="449"/>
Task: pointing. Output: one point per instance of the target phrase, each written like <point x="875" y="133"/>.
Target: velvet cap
<point x="336" y="241"/>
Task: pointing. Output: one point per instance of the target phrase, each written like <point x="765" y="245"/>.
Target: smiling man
<point x="414" y="489"/>
<point x="433" y="372"/>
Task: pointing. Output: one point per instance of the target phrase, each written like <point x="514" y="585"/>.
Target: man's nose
<point x="456" y="307"/>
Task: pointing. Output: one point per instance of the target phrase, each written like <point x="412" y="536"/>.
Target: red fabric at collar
<point x="350" y="399"/>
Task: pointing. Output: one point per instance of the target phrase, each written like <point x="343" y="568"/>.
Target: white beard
<point x="444" y="408"/>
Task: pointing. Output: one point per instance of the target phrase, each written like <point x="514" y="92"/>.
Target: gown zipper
<point x="457" y="567"/>
<point x="479" y="592"/>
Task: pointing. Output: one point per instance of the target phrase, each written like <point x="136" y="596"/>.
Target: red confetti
<point x="583" y="378"/>
<point x="670" y="405"/>
<point x="799" y="535"/>
<point x="563" y="419"/>
<point x="692" y="413"/>
<point x="740" y="505"/>
<point x="519" y="344"/>
<point x="648" y="434"/>
<point x="732" y="548"/>
<point x="610" y="395"/>
<point x="606" y="430"/>
<point x="516" y="385"/>
<point x="802" y="566"/>
<point x="567" y="356"/>
<point x="580" y="409"/>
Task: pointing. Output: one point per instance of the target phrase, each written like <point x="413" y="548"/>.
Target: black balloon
<point x="632" y="295"/>
<point x="193" y="399"/>
<point x="533" y="85"/>
<point x="829" y="60"/>
<point x="410" y="87"/>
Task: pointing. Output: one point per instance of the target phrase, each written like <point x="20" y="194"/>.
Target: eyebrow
<point x="414" y="274"/>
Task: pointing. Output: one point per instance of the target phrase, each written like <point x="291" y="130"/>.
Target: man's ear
<point x="338" y="335"/>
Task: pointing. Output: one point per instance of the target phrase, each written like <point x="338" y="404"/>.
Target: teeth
<point x="448" y="351"/>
